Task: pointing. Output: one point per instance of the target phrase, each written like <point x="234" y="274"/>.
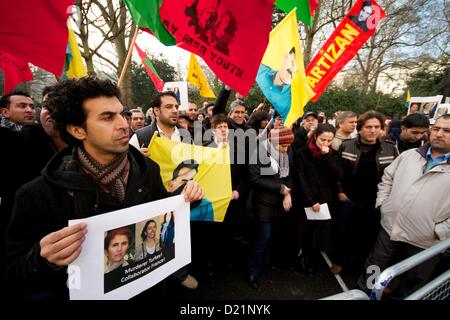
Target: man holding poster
<point x="98" y="173"/>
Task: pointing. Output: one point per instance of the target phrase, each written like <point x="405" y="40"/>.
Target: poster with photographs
<point x="130" y="250"/>
<point x="443" y="108"/>
<point x="181" y="91"/>
<point x="424" y="105"/>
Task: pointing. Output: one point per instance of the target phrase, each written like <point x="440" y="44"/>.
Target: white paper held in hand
<point x="323" y="214"/>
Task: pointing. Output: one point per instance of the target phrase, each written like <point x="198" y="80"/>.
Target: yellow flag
<point x="73" y="57"/>
<point x="197" y="78"/>
<point x="210" y="167"/>
<point x="408" y="97"/>
<point x="281" y="76"/>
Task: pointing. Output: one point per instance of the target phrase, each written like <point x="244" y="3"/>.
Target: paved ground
<point x="228" y="282"/>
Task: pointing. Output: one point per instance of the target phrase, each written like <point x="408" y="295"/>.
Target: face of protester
<point x="413" y="134"/>
<point x="370" y="131"/>
<point x="183" y="122"/>
<point x="191" y="112"/>
<point x="117" y="248"/>
<point x="263" y="123"/>
<point x="167" y="113"/>
<point x="184" y="175"/>
<point x="137" y="121"/>
<point x="221" y="132"/>
<point x="200" y="117"/>
<point x="324" y="139"/>
<point x="440" y="136"/>
<point x="365" y="13"/>
<point x="348" y="125"/>
<point x="46" y="121"/>
<point x="150" y="232"/>
<point x="238" y="114"/>
<point x="310" y="123"/>
<point x="210" y="111"/>
<point x="20" y="111"/>
<point x="105" y="133"/>
<point x="278" y="123"/>
<point x="282" y="148"/>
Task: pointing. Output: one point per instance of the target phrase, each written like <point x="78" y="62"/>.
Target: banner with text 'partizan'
<point x="231" y="36"/>
<point x="355" y="29"/>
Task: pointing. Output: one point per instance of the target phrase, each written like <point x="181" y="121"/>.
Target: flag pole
<point x="128" y="58"/>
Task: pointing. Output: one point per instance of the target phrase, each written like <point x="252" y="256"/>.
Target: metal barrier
<point x="348" y="295"/>
<point x="438" y="289"/>
<point x="390" y="273"/>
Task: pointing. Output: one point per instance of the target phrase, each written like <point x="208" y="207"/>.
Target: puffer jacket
<point x="415" y="206"/>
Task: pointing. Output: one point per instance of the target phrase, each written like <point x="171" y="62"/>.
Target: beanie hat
<point x="282" y="135"/>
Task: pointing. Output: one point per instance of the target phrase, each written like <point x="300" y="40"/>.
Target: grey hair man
<point x="345" y="128"/>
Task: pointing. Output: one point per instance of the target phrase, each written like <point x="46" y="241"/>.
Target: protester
<point x="363" y="159"/>
<point x="270" y="180"/>
<point x="97" y="174"/>
<point x="318" y="177"/>
<point x="345" y="128"/>
<point x="411" y="134"/>
<point x="137" y="119"/>
<point x="17" y="109"/>
<point x="414" y="203"/>
<point x="165" y="106"/>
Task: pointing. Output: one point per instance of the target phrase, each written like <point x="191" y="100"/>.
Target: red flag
<point x="355" y="29"/>
<point x="231" y="36"/>
<point x="36" y="31"/>
<point x="15" y="71"/>
<point x="151" y="71"/>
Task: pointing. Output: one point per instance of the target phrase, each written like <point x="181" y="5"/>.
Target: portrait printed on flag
<point x="276" y="84"/>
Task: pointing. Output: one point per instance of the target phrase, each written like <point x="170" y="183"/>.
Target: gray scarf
<point x="111" y="175"/>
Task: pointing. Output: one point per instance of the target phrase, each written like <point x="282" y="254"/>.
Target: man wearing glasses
<point x="414" y="202"/>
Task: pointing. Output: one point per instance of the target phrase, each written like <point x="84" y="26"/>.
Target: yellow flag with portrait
<point x="210" y="167"/>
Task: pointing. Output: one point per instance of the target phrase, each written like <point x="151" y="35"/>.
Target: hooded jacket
<point x="45" y="205"/>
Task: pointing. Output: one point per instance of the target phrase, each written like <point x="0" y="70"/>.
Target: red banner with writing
<point x="15" y="71"/>
<point x="355" y="29"/>
<point x="231" y="36"/>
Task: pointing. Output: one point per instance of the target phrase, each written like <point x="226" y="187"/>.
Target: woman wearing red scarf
<point x="317" y="175"/>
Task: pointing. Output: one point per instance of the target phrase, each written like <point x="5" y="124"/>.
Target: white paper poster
<point x="181" y="91"/>
<point x="443" y="108"/>
<point x="323" y="214"/>
<point x="128" y="251"/>
<point x="424" y="105"/>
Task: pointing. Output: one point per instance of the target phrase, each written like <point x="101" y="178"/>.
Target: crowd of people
<point x="385" y="184"/>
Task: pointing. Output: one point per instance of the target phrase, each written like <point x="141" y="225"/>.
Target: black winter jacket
<point x="318" y="179"/>
<point x="266" y="190"/>
<point x="45" y="205"/>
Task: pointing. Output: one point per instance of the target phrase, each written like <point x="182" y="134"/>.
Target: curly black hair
<point x="65" y="102"/>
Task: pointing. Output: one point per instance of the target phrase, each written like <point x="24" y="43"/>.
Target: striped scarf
<point x="111" y="176"/>
<point x="10" y="125"/>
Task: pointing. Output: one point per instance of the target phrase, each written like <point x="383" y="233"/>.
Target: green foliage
<point x="355" y="100"/>
<point x="142" y="86"/>
<point x="429" y="82"/>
